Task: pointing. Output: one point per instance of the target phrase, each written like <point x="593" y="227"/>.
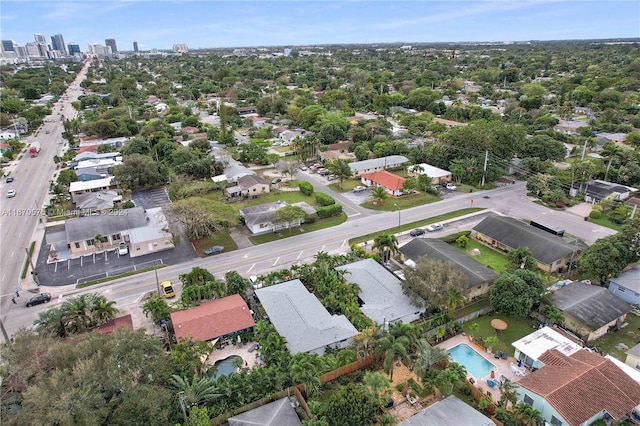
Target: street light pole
<point x="399" y="219"/>
<point x="157" y="282"/>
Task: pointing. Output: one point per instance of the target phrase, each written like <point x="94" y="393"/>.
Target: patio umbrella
<point x="498" y="325"/>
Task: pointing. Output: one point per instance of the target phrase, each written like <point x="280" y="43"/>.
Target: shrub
<point x="595" y="214"/>
<point x="400" y="387"/>
<point x="358" y="376"/>
<point x="327" y="386"/>
<point x="462" y="241"/>
<point x="305" y="187"/>
<point x="343" y="380"/>
<point x="324" y="199"/>
<point x="328" y="211"/>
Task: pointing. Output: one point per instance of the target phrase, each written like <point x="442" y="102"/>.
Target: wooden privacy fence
<point x="296" y="390"/>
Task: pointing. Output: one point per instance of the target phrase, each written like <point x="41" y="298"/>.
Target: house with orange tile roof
<point x="214" y="319"/>
<point x="392" y="183"/>
<point x="579" y="389"/>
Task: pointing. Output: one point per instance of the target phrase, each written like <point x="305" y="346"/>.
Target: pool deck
<point x="241" y="350"/>
<point x="503" y="365"/>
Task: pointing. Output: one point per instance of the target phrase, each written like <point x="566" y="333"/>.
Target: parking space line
<point x="298" y="258"/>
<point x="276" y="262"/>
<point x="249" y="270"/>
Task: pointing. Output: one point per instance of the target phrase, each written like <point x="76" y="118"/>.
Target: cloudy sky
<point x="161" y="23"/>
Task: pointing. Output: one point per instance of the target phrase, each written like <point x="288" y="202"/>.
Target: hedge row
<point x="328" y="211"/>
<point x="305" y="187"/>
<point x="324" y="199"/>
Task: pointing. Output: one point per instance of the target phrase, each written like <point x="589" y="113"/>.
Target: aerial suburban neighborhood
<point x="358" y="234"/>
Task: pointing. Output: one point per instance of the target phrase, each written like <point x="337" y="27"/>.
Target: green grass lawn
<point x="516" y="329"/>
<point x="628" y="336"/>
<point x="404" y="202"/>
<point x="489" y="257"/>
<point x="306" y="227"/>
<point x="604" y="221"/>
<point x="417" y="224"/>
<point x="218" y="239"/>
<point x="289" y="197"/>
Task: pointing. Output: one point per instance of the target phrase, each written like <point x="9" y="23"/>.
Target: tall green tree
<point x="394" y="350"/>
<point x="340" y="169"/>
<point x="515" y="293"/>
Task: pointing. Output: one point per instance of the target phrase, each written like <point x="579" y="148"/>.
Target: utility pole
<point x="157" y="281"/>
<point x="33" y="268"/>
<point x="484" y="169"/>
<point x="4" y="333"/>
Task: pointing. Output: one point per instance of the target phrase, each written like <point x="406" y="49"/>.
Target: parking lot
<point x="151" y="198"/>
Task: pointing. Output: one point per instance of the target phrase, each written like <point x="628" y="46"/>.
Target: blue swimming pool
<point x="475" y="364"/>
<point x="224" y="367"/>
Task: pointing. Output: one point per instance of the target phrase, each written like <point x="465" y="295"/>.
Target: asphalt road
<point x="22" y="214"/>
<point x="264" y="258"/>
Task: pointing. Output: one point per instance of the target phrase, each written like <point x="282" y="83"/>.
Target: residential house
<point x="598" y="190"/>
<point x="300" y="318"/>
<point x="330" y="155"/>
<point x="449" y="123"/>
<point x="551" y="252"/>
<point x="214" y="319"/>
<point x="436" y="174"/>
<point x="480" y="277"/>
<point x="579" y="389"/>
<point x="569" y="127"/>
<point x="190" y="129"/>
<point x="590" y="311"/>
<point x="94" y="155"/>
<point x="235" y="171"/>
<point x="381" y="295"/>
<point x="246" y="110"/>
<point x="93" y="141"/>
<point x="288" y="136"/>
<point x="530" y="348"/>
<point x="249" y="186"/>
<point x="373" y="165"/>
<point x="102" y="201"/>
<point x="111" y="326"/>
<point x="261" y="219"/>
<point x="177" y="126"/>
<point x="95" y="185"/>
<point x="633" y="357"/>
<point x="145" y="231"/>
<point x="6" y="135"/>
<point x="276" y="413"/>
<point x="392" y="183"/>
<point x="450" y="411"/>
<point x="627" y="286"/>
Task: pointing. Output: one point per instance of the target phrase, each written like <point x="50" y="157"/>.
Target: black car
<point x="9" y="179"/>
<point x="39" y="299"/>
<point x="417" y="232"/>
<point x="275" y="181"/>
<point x="214" y="250"/>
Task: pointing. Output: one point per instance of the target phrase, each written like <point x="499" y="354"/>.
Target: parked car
<point x="303" y="168"/>
<point x="214" y="250"/>
<point x="435" y="227"/>
<point x="275" y="181"/>
<point x="417" y="232"/>
<point x="38" y="299"/>
<point x="359" y="188"/>
<point x="168" y="290"/>
<point x="123" y="249"/>
<point x="253" y="347"/>
<point x="324" y="172"/>
<point x="9" y="179"/>
<point x="11" y="193"/>
<point x="255" y="282"/>
<point x="450" y="186"/>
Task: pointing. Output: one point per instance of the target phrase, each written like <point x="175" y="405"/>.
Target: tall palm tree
<point x="455" y="299"/>
<point x="340" y="169"/>
<point x="379" y="385"/>
<point x="428" y="356"/>
<point x="394" y="349"/>
<point x="386" y="245"/>
<point x="195" y="392"/>
<point x="530" y="414"/>
<point x="508" y="392"/>
<point x="379" y="194"/>
<point x="52" y="322"/>
<point x="452" y="376"/>
<point x="410" y="331"/>
<point x="103" y="310"/>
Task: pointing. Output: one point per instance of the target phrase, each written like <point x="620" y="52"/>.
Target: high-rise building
<point x="180" y="48"/>
<point x="74" y="48"/>
<point x="111" y="42"/>
<point x="39" y="38"/>
<point x="135" y="47"/>
<point x="57" y="43"/>
<point x="8" y="46"/>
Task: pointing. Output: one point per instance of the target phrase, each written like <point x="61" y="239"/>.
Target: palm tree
<point x="410" y="331"/>
<point x="340" y="169"/>
<point x="379" y="194"/>
<point x="386" y="244"/>
<point x="394" y="350"/>
<point x="346" y="356"/>
<point x="52" y="322"/>
<point x="305" y="368"/>
<point x="428" y="356"/>
<point x="378" y="385"/>
<point x="455" y="299"/>
<point x="530" y="414"/>
<point x="99" y="239"/>
<point x="196" y="392"/>
<point x="452" y="376"/>
<point x="103" y="310"/>
<point x="508" y="392"/>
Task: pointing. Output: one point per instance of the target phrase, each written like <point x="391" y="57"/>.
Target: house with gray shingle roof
<point x="480" y="277"/>
<point x="261" y="219"/>
<point x="373" y="165"/>
<point x="302" y="320"/>
<point x="579" y="389"/>
<point x="451" y="411"/>
<point x="551" y="252"/>
<point x="383" y="299"/>
<point x="627" y="286"/>
<point x="590" y="311"/>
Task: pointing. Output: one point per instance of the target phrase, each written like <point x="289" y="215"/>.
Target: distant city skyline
<point x="160" y="24"/>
